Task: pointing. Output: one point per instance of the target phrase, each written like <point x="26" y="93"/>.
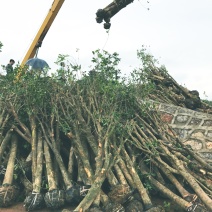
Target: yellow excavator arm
<point x="37" y="42"/>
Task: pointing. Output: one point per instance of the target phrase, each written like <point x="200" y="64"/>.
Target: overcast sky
<point x="177" y="33"/>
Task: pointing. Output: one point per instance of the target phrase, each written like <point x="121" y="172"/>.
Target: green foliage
<point x="207" y="102"/>
<point x="112" y="100"/>
<point x="167" y="205"/>
<point x="36" y="92"/>
<point x="45" y="185"/>
<point x="105" y="65"/>
<point x="115" y="99"/>
<point x="148" y="186"/>
<point x="67" y="71"/>
<point x="146" y="58"/>
<point x="146" y="179"/>
<point x="61" y="58"/>
<point x="140" y="76"/>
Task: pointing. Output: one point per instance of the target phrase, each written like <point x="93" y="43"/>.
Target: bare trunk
<point x="8" y="178"/>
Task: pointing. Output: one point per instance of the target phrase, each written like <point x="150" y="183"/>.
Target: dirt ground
<point x="20" y="208"/>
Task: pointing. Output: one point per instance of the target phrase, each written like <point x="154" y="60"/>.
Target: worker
<point x="9" y="67"/>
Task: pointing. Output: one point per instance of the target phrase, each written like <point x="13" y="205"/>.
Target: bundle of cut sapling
<point x="102" y="165"/>
<point x="47" y="121"/>
<point x="48" y="132"/>
<point x="8" y="191"/>
<point x="82" y="183"/>
<point x="151" y="140"/>
<point x="163" y="88"/>
<point x="98" y="131"/>
<point x="82" y="149"/>
<point x="85" y="118"/>
<point x="129" y="189"/>
<point x="87" y="110"/>
<point x="169" y="91"/>
<point x="35" y="199"/>
<point x="85" y="177"/>
<point x="84" y="167"/>
<point x="54" y="198"/>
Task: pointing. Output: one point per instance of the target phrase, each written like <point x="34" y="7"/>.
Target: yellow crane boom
<point x="102" y="14"/>
<point x="56" y="5"/>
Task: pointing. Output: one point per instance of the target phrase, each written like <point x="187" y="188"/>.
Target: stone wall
<point x="193" y="127"/>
